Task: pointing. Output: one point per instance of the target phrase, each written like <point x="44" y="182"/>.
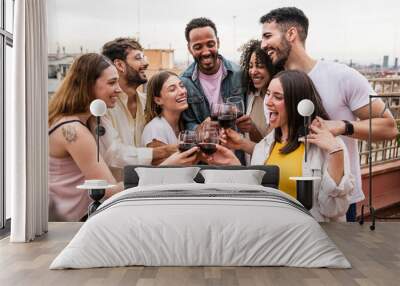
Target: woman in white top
<point x="258" y="71"/>
<point x="327" y="157"/>
<point x="166" y="100"/>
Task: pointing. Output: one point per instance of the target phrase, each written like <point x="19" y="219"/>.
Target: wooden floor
<point x="374" y="255"/>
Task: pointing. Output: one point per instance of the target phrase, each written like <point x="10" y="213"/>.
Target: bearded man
<point x="343" y="90"/>
<point x="211" y="78"/>
<point x="124" y="124"/>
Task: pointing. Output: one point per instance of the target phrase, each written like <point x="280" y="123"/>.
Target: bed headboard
<point x="270" y="179"/>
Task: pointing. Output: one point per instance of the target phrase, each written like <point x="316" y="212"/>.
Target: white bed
<point x="201" y="225"/>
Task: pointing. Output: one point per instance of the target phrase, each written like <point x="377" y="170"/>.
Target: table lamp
<point x="98" y="108"/>
<point x="304" y="185"/>
<point x="305" y="108"/>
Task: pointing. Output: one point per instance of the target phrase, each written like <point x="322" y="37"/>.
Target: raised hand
<point x="223" y="156"/>
<point x="245" y="124"/>
<point x="336" y="127"/>
<point x="161" y="151"/>
<point x="201" y="126"/>
<point x="231" y="139"/>
<point x="186" y="158"/>
<point x="321" y="136"/>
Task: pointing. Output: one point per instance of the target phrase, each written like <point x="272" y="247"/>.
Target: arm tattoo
<point x="69" y="133"/>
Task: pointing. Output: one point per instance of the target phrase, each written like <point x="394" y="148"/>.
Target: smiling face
<point x="135" y="67"/>
<point x="173" y="95"/>
<point x="275" y="44"/>
<point x="203" y="45"/>
<point x="275" y="103"/>
<point x="258" y="73"/>
<point x="106" y="87"/>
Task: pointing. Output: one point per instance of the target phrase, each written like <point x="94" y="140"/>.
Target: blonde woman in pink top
<point x="72" y="147"/>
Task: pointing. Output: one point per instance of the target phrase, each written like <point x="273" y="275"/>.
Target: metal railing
<point x="388" y="150"/>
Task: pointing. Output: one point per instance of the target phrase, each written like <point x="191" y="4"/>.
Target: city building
<point x="59" y="63"/>
<point x="385" y="64"/>
<point x="160" y="60"/>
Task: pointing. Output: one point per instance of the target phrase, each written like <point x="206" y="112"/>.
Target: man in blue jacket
<point x="211" y="78"/>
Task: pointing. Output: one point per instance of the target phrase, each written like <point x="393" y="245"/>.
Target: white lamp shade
<point x="98" y="107"/>
<point x="305" y="107"/>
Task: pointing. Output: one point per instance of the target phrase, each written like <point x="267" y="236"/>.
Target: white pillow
<point x="166" y="176"/>
<point x="249" y="177"/>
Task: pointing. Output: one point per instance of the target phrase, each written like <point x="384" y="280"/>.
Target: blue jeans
<point x="351" y="214"/>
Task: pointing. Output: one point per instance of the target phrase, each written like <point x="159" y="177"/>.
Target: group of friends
<point x="274" y="75"/>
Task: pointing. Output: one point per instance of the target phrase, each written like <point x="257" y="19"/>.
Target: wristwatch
<point x="348" y="129"/>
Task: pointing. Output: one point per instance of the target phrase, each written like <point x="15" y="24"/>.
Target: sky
<point x="359" y="30"/>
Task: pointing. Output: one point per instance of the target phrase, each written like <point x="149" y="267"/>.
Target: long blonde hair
<point x="154" y="87"/>
<point x="76" y="90"/>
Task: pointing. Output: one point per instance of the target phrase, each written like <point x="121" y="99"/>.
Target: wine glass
<point x="187" y="139"/>
<point x="227" y="115"/>
<point x="239" y="103"/>
<point x="208" y="141"/>
<point x="210" y="125"/>
<point x="214" y="111"/>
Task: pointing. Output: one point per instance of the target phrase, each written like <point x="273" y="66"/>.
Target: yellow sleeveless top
<point x="290" y="165"/>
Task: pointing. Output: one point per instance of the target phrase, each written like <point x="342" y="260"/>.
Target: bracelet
<point x="335" y="150"/>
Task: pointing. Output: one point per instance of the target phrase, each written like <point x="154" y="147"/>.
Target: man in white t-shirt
<point x="344" y="91"/>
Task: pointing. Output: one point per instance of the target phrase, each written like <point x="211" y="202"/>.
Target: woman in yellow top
<point x="327" y="156"/>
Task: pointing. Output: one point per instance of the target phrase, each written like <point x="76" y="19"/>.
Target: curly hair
<point x="254" y="46"/>
<point x="288" y="17"/>
<point x="199" y="23"/>
<point x="119" y="48"/>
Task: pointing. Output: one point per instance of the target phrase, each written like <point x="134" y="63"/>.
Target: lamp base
<point x="305" y="190"/>
<point x="304" y="193"/>
<point x="96" y="195"/>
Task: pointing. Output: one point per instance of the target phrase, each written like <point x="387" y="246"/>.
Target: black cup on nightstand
<point x="97" y="190"/>
<point x="305" y="190"/>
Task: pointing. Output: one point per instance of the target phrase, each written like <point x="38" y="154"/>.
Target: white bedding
<point x="188" y="230"/>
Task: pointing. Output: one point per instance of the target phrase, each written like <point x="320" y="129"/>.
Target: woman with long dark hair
<point x="284" y="147"/>
<point x="72" y="147"/>
<point x="166" y="100"/>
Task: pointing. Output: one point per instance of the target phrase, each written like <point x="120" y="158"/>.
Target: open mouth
<point x="181" y="99"/>
<point x="257" y="79"/>
<point x="273" y="116"/>
<point x="271" y="52"/>
<point x="206" y="60"/>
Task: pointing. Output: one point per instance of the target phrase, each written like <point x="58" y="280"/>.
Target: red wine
<point x="214" y="117"/>
<point x="185" y="146"/>
<point x="239" y="114"/>
<point x="208" y="148"/>
<point x="227" y="121"/>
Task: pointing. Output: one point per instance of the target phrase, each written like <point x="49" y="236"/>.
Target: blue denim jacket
<point x="199" y="107"/>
